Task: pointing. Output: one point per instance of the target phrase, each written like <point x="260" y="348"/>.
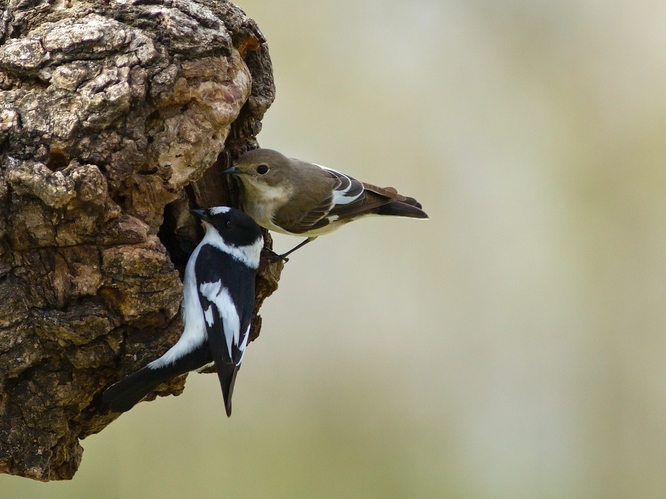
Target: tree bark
<point x="116" y="118"/>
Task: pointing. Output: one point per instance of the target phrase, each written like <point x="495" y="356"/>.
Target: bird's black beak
<point x="202" y="214"/>
<point x="233" y="170"/>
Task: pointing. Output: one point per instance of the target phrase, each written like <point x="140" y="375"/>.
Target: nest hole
<point x="180" y="233"/>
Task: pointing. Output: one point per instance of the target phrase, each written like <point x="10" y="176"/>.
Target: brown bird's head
<point x="271" y="181"/>
<point x="264" y="167"/>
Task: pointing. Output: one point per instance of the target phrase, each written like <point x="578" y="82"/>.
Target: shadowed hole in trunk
<point x="180" y="233"/>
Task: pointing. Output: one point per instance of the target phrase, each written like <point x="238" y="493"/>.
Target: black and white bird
<point x="218" y="300"/>
<point x="298" y="198"/>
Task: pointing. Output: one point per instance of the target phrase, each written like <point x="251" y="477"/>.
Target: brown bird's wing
<point x="372" y="198"/>
<point x="343" y="190"/>
<point x="310" y="219"/>
<point x="349" y="199"/>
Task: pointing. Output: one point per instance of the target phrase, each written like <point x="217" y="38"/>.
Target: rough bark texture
<point x="111" y="115"/>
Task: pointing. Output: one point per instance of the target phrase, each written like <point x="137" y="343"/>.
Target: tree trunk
<point x="116" y="118"/>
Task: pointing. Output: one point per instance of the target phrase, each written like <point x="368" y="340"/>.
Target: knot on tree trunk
<point x="116" y="118"/>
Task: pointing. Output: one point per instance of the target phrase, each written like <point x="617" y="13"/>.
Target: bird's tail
<point x="227" y="374"/>
<point x="126" y="393"/>
<point x="410" y="207"/>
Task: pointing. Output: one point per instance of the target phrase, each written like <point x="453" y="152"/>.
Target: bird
<point x="218" y="300"/>
<point x="294" y="197"/>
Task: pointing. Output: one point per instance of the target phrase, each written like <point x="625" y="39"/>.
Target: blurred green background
<point x="511" y="347"/>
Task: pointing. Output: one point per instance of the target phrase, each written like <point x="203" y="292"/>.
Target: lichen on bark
<point x="116" y="118"/>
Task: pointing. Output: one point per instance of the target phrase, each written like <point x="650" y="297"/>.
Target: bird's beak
<point x="200" y="214"/>
<point x="233" y="170"/>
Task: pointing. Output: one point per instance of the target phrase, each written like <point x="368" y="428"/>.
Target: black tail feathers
<point x="126" y="393"/>
<point x="410" y="208"/>
<point x="413" y="202"/>
<point x="227" y="374"/>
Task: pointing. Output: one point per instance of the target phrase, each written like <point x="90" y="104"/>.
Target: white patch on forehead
<point x="216" y="210"/>
<point x="216" y="293"/>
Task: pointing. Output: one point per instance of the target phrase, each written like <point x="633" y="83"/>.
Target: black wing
<point x="226" y="294"/>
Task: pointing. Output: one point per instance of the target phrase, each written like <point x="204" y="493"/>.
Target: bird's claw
<point x="273" y="257"/>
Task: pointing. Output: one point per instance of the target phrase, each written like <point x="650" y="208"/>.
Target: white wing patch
<point x="341" y="196"/>
<point x="216" y="293"/>
<point x="244" y="344"/>
<point x="208" y="314"/>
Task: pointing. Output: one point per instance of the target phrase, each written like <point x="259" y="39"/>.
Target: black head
<point x="234" y="226"/>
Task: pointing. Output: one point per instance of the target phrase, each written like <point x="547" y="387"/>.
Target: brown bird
<point x="298" y="198"/>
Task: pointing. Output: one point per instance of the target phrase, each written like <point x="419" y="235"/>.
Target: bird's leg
<point x="275" y="257"/>
<point x="299" y="245"/>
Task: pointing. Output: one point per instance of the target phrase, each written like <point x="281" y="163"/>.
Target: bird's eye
<point x="262" y="169"/>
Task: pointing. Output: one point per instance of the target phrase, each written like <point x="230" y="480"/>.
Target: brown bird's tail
<point x="410" y="208"/>
<point x="388" y="201"/>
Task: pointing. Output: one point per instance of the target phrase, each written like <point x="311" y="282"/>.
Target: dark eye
<point x="262" y="169"/>
<point x="228" y="224"/>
